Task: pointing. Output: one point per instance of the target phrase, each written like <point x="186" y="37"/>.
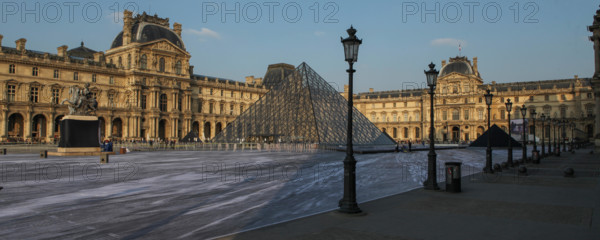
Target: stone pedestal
<point x="79" y="135"/>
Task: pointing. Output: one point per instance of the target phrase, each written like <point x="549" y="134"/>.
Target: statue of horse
<point x="81" y="101"/>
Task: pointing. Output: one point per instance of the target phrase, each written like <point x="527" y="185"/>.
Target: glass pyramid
<point x="302" y="108"/>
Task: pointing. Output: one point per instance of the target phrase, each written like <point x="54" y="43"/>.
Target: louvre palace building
<point x="147" y="90"/>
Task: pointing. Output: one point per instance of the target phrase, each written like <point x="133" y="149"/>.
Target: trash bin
<point x="123" y="150"/>
<point x="453" y="176"/>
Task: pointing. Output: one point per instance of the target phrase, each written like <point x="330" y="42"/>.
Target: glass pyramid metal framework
<point x="302" y="108"/>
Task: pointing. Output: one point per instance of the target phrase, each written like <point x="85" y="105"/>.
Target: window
<point x="405" y="132"/>
<point x="211" y="91"/>
<point x="221" y="108"/>
<point x="563" y="112"/>
<point x="111" y="100"/>
<point x="502" y="100"/>
<point x="394" y="117"/>
<point x="480" y="100"/>
<point x="128" y="61"/>
<point x="179" y="101"/>
<point x="516" y="99"/>
<point x="546" y="97"/>
<point x="563" y="97"/>
<point x="405" y="104"/>
<point x="589" y="109"/>
<point x="144" y="62"/>
<point x="178" y="67"/>
<point x="241" y="94"/>
<point x="11" y="93"/>
<point x="161" y="65"/>
<point x="547" y="110"/>
<point x="34" y="94"/>
<point x="222" y="92"/>
<point x="589" y="95"/>
<point x="200" y="102"/>
<point x="480" y="114"/>
<point x="163" y="102"/>
<point x="394" y="104"/>
<point x="34" y="71"/>
<point x="417" y="133"/>
<point x="231" y="109"/>
<point x="143" y="102"/>
<point x="384" y="117"/>
<point x="466" y="114"/>
<point x="466" y="100"/>
<point x="120" y="62"/>
<point x="383" y="105"/>
<point x="405" y="117"/>
<point x="210" y="108"/>
<point x="455" y="114"/>
<point x="241" y="109"/>
<point x="93" y="77"/>
<point x="75" y="76"/>
<point x="231" y="94"/>
<point x="373" y="117"/>
<point x="466" y="87"/>
<point x="56" y="73"/>
<point x="417" y="116"/>
<point x="111" y="80"/>
<point x="531" y="98"/>
<point x="502" y="114"/>
<point x="444" y="115"/>
<point x="11" y="68"/>
<point x="55" y="95"/>
<point x="251" y="96"/>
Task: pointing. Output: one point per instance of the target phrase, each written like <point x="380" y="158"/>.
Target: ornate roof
<point x="82" y="52"/>
<point x="457" y="65"/>
<point x="148" y="28"/>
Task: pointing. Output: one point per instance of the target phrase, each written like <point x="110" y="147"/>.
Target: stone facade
<point x="145" y="87"/>
<point x="460" y="108"/>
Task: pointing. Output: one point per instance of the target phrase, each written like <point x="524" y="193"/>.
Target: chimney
<point x="99" y="57"/>
<point x="250" y="79"/>
<point x="62" y="51"/>
<point x="475" y="65"/>
<point x="443" y="63"/>
<point x="258" y="81"/>
<point x="177" y="28"/>
<point x="127" y="25"/>
<point x="371" y="90"/>
<point x="21" y="44"/>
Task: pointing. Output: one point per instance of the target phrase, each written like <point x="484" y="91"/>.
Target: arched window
<point x="178" y="67"/>
<point x="163" y="102"/>
<point x="161" y="65"/>
<point x="144" y="62"/>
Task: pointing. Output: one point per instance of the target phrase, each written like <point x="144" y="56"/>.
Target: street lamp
<point x="524" y="114"/>
<point x="348" y="203"/>
<point x="431" y="182"/>
<point x="572" y="137"/>
<point x="556" y="136"/>
<point x="535" y="155"/>
<point x="510" y="150"/>
<point x="488" y="152"/>
<point x="564" y="135"/>
<point x="550" y="138"/>
<point x="543" y="117"/>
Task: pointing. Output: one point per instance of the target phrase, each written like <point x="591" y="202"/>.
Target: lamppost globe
<point x="431" y="75"/>
<point x="488" y="97"/>
<point x="508" y="105"/>
<point x="351" y="44"/>
<point x="348" y="203"/>
<point x="524" y="111"/>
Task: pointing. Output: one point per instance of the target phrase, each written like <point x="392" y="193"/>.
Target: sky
<point x="514" y="40"/>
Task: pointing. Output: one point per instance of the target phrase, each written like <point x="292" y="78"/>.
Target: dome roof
<point x="461" y="67"/>
<point x="146" y="32"/>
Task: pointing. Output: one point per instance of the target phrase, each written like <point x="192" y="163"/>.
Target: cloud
<point x="452" y="42"/>
<point x="203" y="33"/>
<point x="319" y="33"/>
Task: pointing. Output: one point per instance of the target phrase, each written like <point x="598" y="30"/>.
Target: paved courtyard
<point x="193" y="194"/>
